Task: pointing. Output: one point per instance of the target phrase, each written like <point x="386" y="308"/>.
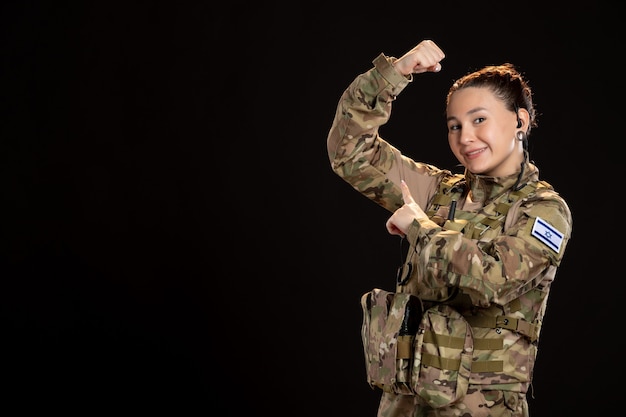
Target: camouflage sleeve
<point x="360" y="156"/>
<point x="502" y="269"/>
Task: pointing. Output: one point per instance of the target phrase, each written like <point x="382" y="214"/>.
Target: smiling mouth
<point x="475" y="153"/>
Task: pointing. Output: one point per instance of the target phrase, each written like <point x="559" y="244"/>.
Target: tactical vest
<point x="484" y="225"/>
<point x="403" y="361"/>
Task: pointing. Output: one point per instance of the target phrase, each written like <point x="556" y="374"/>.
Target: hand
<point x="425" y="57"/>
<point x="399" y="222"/>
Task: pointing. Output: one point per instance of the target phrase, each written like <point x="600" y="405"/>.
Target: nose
<point x="467" y="136"/>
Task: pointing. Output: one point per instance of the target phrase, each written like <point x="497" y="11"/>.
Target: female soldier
<point x="488" y="241"/>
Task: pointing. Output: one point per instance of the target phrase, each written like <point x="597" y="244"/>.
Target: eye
<point x="454" y="127"/>
<point x="479" y="120"/>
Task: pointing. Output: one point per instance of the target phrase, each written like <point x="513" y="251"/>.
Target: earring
<point x="521" y="135"/>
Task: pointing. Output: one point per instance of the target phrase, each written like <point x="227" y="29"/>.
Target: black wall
<point x="173" y="236"/>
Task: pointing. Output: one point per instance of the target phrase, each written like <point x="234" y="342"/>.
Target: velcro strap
<point x="487" y="366"/>
<point x="491" y="222"/>
<point x="444" y="341"/>
<point x="405" y="347"/>
<point x="442" y="199"/>
<point x="457" y="225"/>
<point x="455" y="364"/>
<point x="517" y="325"/>
<point x="488" y="344"/>
<point x="503" y="208"/>
<point x="441" y="362"/>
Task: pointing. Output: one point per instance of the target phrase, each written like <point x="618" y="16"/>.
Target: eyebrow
<point x="472" y="111"/>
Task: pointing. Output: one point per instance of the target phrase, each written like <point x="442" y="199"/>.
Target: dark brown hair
<point x="506" y="83"/>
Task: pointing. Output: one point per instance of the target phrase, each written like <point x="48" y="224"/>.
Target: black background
<point x="173" y="237"/>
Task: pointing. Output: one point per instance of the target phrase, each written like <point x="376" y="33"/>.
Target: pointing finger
<point x="406" y="193"/>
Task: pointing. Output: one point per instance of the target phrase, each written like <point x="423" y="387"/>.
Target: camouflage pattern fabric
<point x="503" y="273"/>
<point x="443" y="357"/>
<point x="388" y="354"/>
<point x="476" y="403"/>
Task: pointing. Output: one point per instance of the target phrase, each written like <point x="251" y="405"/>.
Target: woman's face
<point x="481" y="132"/>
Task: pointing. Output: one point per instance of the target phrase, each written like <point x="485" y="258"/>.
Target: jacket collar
<point x="484" y="188"/>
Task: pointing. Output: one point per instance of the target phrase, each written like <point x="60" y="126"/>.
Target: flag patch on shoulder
<point x="546" y="233"/>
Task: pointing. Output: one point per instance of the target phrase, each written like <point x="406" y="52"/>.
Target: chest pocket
<point x="483" y="225"/>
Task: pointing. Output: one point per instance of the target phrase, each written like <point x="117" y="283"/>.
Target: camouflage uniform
<point x="503" y="273"/>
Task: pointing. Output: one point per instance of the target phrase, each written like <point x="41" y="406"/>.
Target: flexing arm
<point x="357" y="153"/>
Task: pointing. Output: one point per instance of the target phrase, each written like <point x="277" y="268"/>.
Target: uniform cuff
<point x="384" y="66"/>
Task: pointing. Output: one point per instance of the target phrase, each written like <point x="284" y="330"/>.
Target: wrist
<point x="385" y="66"/>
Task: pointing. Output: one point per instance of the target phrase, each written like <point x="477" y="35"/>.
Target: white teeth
<point x="475" y="152"/>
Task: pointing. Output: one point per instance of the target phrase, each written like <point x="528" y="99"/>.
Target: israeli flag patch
<point x="546" y="233"/>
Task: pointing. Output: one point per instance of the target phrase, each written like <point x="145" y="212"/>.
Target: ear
<point x="523" y="119"/>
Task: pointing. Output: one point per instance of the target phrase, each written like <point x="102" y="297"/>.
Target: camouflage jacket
<point x="503" y="274"/>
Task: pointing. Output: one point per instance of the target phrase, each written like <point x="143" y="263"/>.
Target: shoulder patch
<point x="547" y="234"/>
